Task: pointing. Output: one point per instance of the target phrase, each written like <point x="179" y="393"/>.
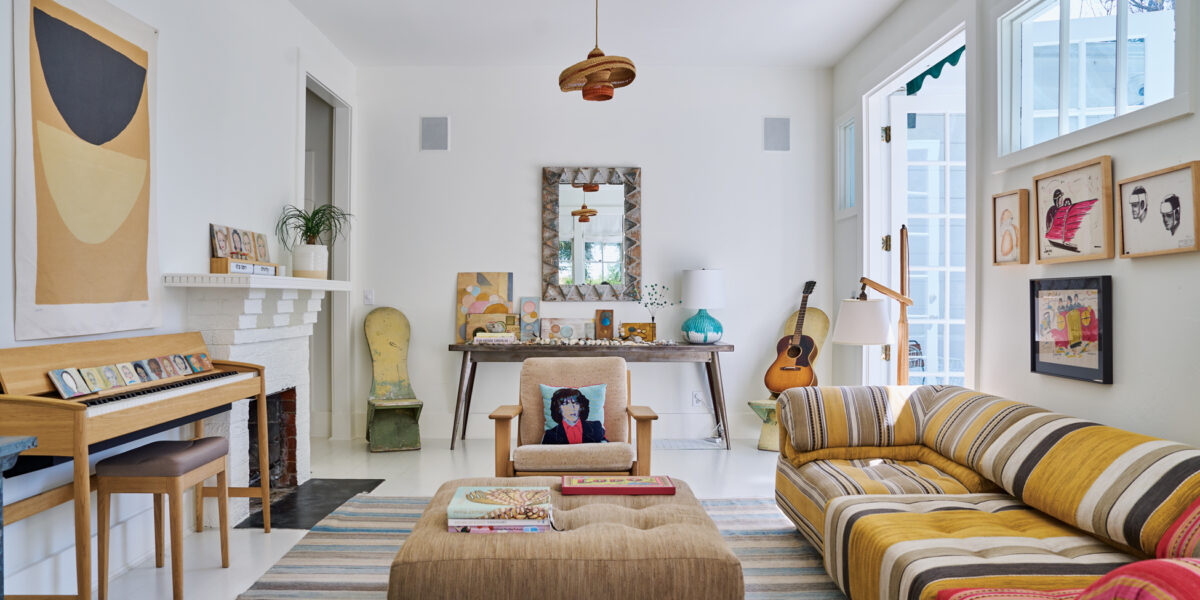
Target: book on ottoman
<point x="499" y="529"/>
<point x="499" y="506"/>
<point x="625" y="485"/>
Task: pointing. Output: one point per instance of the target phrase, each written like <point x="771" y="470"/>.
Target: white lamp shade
<point x="863" y="323"/>
<point x="702" y="288"/>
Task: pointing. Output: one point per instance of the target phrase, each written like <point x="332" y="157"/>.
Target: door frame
<point x="340" y="325"/>
<point x="876" y="209"/>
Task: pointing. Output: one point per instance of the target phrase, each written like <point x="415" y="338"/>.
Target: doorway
<point x="917" y="176"/>
<point x="325" y="166"/>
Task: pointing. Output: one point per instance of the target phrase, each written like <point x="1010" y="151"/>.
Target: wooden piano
<point x="74" y="429"/>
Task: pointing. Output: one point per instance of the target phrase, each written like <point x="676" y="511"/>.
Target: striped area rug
<point x="347" y="554"/>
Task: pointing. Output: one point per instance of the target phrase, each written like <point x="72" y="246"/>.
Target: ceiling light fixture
<point x="599" y="75"/>
<point x="583" y="213"/>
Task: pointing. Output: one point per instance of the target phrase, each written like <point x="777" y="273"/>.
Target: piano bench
<point x="163" y="468"/>
<point x="393" y="424"/>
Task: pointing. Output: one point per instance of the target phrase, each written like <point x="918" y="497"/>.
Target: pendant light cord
<point x="597" y="23"/>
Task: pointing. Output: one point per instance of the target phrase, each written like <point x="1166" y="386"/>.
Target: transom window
<point x="1071" y="64"/>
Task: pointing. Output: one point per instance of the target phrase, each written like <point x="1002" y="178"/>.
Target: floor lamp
<point x="863" y="322"/>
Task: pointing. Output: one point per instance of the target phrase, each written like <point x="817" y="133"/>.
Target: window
<point x="846" y="158"/>
<point x="1071" y="64"/>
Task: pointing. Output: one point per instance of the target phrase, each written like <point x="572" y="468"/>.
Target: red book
<point x="617" y="485"/>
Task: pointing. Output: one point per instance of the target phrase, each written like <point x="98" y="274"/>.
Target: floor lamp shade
<point x="702" y="289"/>
<point x="863" y="323"/>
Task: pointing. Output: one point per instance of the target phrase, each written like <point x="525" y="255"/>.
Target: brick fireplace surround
<point x="266" y="321"/>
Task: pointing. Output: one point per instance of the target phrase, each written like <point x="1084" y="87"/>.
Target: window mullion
<point x="1064" y="61"/>
<point x="1122" y="57"/>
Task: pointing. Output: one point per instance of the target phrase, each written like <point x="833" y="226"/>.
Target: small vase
<point x="310" y="260"/>
<point x="702" y="328"/>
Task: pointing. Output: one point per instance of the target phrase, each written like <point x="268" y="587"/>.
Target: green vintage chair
<point x="393" y="410"/>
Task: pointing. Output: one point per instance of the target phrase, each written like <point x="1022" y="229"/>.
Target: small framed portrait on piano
<point x="199" y="362"/>
<point x="168" y="367"/>
<point x="112" y="379"/>
<point x="155" y="368"/>
<point x="94" y="379"/>
<point x="128" y="373"/>
<point x="181" y="365"/>
<point x="69" y="383"/>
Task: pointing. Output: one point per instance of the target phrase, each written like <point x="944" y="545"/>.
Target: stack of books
<point x="496" y="338"/>
<point x="500" y="509"/>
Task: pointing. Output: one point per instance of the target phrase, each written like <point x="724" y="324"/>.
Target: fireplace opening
<point x="281" y="440"/>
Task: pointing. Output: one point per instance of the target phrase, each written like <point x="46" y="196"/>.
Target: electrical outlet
<point x="369" y="297"/>
<point x="697" y="400"/>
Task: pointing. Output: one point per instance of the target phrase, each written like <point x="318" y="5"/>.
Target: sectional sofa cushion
<point x="1168" y="579"/>
<point x="1007" y="594"/>
<point x="908" y="547"/>
<point x="1124" y="487"/>
<point x="813" y="484"/>
<point x="1182" y="538"/>
<point x="839" y="417"/>
<point x="960" y="423"/>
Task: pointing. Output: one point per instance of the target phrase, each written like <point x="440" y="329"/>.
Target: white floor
<point x="742" y="472"/>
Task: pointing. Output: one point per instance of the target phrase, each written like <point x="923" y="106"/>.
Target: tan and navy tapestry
<point x="86" y="258"/>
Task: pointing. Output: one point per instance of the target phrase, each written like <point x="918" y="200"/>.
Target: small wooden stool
<point x="163" y="468"/>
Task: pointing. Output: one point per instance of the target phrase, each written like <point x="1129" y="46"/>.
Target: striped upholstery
<point x="909" y="547"/>
<point x="1183" y="537"/>
<point x="1167" y="579"/>
<point x="960" y="424"/>
<point x="840" y="417"/>
<point x="803" y="491"/>
<point x="1007" y="594"/>
<point x="1124" y="487"/>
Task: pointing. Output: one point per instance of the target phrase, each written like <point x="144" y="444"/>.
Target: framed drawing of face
<point x="69" y="383"/>
<point x="143" y="371"/>
<point x="220" y="240"/>
<point x="248" y="245"/>
<point x="260" y="246"/>
<point x="1074" y="212"/>
<point x="129" y="373"/>
<point x="235" y="244"/>
<point x="1010" y="233"/>
<point x="1071" y="327"/>
<point x="1158" y="211"/>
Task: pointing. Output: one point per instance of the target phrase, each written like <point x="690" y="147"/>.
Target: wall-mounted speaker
<point x="777" y="134"/>
<point x="435" y="133"/>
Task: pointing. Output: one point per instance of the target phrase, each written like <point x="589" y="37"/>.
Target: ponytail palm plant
<point x="322" y="225"/>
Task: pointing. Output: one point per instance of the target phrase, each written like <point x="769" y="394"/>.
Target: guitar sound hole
<point x="793" y="351"/>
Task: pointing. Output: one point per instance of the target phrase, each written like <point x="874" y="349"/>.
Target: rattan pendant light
<point x="583" y="213"/>
<point x="599" y="75"/>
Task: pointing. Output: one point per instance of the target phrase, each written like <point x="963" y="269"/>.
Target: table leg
<point x="464" y="377"/>
<point x="718" y="396"/>
<point x="467" y="408"/>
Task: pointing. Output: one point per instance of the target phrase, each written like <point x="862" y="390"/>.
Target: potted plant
<point x="308" y="233"/>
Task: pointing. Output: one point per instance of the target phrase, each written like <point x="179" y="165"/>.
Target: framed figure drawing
<point x="1071" y="327"/>
<point x="1010" y="233"/>
<point x="1074" y="212"/>
<point x="1158" y="211"/>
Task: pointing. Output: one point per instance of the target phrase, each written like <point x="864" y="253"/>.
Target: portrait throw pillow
<point x="573" y="415"/>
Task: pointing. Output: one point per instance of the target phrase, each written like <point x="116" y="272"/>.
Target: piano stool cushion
<point x="164" y="458"/>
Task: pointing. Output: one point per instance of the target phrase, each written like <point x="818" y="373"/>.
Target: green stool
<point x="393" y="410"/>
<point x="768" y="439"/>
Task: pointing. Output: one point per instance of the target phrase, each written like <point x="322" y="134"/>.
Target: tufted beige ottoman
<point x="654" y="547"/>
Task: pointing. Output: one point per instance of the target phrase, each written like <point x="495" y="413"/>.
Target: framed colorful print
<point x="146" y="370"/>
<point x="1158" y="211"/>
<point x="1010" y="228"/>
<point x="568" y="329"/>
<point x="128" y="374"/>
<point x="604" y="324"/>
<point x="1074" y="212"/>
<point x="645" y="331"/>
<point x="220" y="240"/>
<point x="481" y="293"/>
<point x="531" y="318"/>
<point x="68" y="382"/>
<point x="168" y="367"/>
<point x="1071" y="327"/>
<point x="93" y="378"/>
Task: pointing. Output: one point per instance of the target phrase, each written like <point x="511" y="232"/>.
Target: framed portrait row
<point x="238" y="244"/>
<point x="1073" y="212"/>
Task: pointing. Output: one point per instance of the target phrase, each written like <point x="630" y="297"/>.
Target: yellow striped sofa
<point x="915" y="490"/>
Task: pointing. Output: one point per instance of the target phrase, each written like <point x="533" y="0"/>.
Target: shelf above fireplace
<point x="223" y="280"/>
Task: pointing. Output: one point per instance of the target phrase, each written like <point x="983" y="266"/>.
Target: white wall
<point x="711" y="198"/>
<point x="228" y="99"/>
<point x="1155" y="321"/>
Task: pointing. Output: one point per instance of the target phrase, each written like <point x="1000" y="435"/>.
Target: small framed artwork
<point x="260" y="248"/>
<point x="220" y="240"/>
<point x="235" y="244"/>
<point x="1071" y="327"/>
<point x="148" y="370"/>
<point x="199" y="362"/>
<point x="94" y="379"/>
<point x="531" y="318"/>
<point x="128" y="373"/>
<point x="69" y="383"/>
<point x="1010" y="228"/>
<point x="168" y="367"/>
<point x="604" y="324"/>
<point x="248" y="251"/>
<point x="492" y="323"/>
<point x="181" y="364"/>
<point x="1074" y="208"/>
<point x="112" y="379"/>
<point x="646" y="331"/>
<point x="568" y="329"/>
<point x="1158" y="211"/>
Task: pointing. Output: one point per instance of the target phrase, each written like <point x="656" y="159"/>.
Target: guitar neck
<point x="799" y="332"/>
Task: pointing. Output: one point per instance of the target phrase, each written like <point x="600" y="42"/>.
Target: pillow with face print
<point x="573" y="415"/>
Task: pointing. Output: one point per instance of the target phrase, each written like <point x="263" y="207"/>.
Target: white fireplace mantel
<point x="262" y="320"/>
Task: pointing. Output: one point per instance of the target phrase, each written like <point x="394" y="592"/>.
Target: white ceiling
<point x="808" y="33"/>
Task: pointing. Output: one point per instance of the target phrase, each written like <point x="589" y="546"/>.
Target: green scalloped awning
<point x="935" y="71"/>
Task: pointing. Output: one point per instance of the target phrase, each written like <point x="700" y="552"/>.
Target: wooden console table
<point x="696" y="353"/>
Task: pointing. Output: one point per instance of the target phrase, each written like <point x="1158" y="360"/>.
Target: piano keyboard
<point x="150" y="395"/>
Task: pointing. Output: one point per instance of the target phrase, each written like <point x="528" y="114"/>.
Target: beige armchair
<point x="530" y="457"/>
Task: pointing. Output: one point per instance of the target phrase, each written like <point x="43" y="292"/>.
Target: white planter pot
<point x="310" y="260"/>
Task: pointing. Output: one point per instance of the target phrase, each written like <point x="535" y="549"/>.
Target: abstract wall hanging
<point x="86" y="259"/>
<point x="481" y="293"/>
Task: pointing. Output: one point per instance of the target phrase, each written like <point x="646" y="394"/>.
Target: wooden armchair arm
<point x="642" y="413"/>
<point x="506" y="412"/>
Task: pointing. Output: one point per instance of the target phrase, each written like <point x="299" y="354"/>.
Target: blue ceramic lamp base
<point x="702" y="328"/>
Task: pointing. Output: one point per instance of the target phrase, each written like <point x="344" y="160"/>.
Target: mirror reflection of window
<point x="601" y="257"/>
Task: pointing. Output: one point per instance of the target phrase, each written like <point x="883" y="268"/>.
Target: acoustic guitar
<point x="793" y="367"/>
